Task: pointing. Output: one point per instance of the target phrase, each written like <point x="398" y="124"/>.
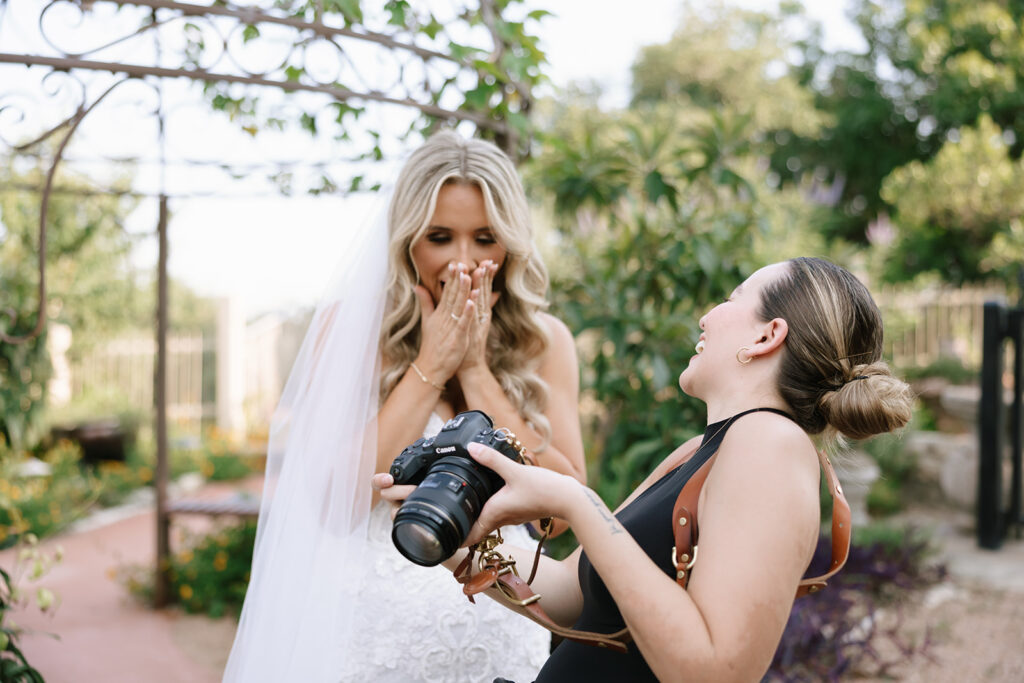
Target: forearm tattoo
<point x="602" y="509"/>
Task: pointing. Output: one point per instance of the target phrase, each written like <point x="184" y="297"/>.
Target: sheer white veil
<point x="306" y="570"/>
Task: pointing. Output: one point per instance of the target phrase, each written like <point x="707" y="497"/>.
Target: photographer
<point x="795" y="351"/>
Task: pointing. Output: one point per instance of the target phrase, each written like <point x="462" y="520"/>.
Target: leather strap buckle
<point x="690" y="561"/>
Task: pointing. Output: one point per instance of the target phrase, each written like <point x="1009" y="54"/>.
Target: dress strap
<point x="783" y="413"/>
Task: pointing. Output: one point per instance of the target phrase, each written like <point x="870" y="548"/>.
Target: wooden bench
<point x="247" y="507"/>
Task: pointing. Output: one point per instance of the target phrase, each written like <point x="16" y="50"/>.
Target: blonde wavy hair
<point x="518" y="335"/>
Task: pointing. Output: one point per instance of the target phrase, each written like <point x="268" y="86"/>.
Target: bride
<point x="440" y="312"/>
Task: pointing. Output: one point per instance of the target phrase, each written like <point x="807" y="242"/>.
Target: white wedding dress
<point x="415" y="624"/>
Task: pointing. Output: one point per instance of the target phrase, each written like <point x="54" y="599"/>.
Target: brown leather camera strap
<point x="518" y="592"/>
<point x="684" y="555"/>
<point x="686" y="531"/>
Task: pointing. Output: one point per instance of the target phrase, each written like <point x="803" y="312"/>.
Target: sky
<point x="270" y="253"/>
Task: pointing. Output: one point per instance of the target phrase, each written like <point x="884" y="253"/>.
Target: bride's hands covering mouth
<point x="445" y="325"/>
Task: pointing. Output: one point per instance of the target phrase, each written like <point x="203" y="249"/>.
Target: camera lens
<point x="435" y="519"/>
<point x="418" y="543"/>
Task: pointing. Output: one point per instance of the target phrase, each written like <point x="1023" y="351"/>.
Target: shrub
<point x="946" y="367"/>
<point x="14" y="666"/>
<point x="836" y="632"/>
<point x="46" y="504"/>
<point x="210" y="574"/>
<point x="225" y="467"/>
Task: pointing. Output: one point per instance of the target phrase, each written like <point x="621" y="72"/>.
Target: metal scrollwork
<point x="425" y="65"/>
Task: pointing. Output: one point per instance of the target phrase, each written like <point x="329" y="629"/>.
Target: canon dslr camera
<point x="435" y="519"/>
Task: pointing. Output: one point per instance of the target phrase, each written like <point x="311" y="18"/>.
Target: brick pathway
<point x="104" y="634"/>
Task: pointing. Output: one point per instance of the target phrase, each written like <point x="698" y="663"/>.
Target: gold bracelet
<point x="439" y="387"/>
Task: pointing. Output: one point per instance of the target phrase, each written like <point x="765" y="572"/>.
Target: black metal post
<point x="1013" y="516"/>
<point x="990" y="428"/>
<point x="161" y="593"/>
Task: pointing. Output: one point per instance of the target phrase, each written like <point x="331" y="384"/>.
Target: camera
<point x="433" y="522"/>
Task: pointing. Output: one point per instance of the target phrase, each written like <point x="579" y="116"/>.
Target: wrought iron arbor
<point x="415" y="65"/>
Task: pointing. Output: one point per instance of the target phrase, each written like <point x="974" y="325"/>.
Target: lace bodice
<point x="423" y="628"/>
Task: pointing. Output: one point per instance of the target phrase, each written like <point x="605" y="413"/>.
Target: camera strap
<point x="495" y="571"/>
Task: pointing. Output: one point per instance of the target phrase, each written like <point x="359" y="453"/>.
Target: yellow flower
<point x="207" y="469"/>
<point x="145" y="474"/>
<point x="186" y="557"/>
<point x="220" y="561"/>
<point x="112" y="466"/>
<point x="185" y="592"/>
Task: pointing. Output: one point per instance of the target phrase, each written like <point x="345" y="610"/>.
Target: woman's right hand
<point x="529" y="493"/>
<point x="445" y="327"/>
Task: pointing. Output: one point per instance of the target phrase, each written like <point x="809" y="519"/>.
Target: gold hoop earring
<point x="740" y="360"/>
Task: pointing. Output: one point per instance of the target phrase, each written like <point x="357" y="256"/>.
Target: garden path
<point x="104" y="635"/>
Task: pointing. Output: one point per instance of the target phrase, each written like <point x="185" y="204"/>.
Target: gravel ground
<point x="974" y="620"/>
<point x="975" y="633"/>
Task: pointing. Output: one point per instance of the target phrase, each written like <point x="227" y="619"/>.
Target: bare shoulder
<point x="770" y="454"/>
<point x="558" y="331"/>
<point x="560" y="354"/>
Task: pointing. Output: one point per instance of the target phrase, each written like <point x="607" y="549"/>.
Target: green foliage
<point x="719" y="59"/>
<point x="88" y="284"/>
<point x="24" y="371"/>
<point x="951" y="209"/>
<point x="896" y="483"/>
<point x="929" y="71"/>
<point x="28" y="563"/>
<point x="947" y="367"/>
<point x="14" y="666"/>
<point x="488" y="61"/>
<point x="43" y="505"/>
<point x="216" y="457"/>
<point x="657" y="219"/>
<point x="210" y="575"/>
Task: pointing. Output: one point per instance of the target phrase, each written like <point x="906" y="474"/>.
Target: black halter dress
<point x="649" y="520"/>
